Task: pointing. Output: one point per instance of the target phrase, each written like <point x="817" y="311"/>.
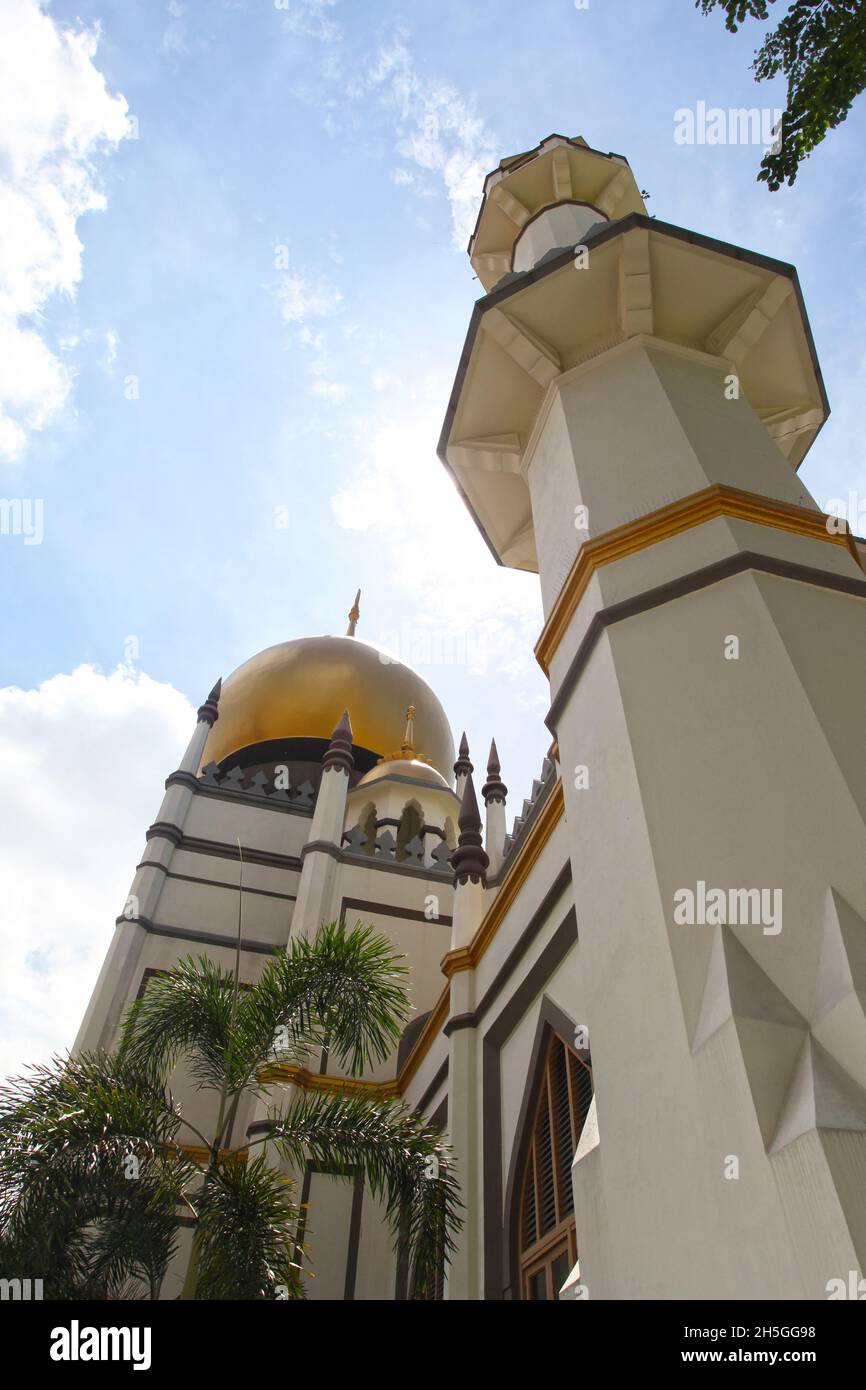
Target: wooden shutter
<point x="546" y="1231"/>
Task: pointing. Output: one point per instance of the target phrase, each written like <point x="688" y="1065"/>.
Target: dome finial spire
<point x="354" y="615"/>
<point x="407" y="747"/>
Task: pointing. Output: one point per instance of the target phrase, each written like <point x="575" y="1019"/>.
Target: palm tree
<point x="93" y="1169"/>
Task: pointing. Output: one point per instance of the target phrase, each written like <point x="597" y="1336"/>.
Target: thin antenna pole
<point x="240" y="930"/>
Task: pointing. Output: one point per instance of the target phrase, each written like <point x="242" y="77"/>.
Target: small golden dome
<point x="405" y="767"/>
<point x="299" y="689"/>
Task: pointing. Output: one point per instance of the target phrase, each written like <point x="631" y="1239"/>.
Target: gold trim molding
<point x="467" y="957"/>
<point x="712" y="502"/>
<point x="199" y="1154"/>
<point x="286" y="1074"/>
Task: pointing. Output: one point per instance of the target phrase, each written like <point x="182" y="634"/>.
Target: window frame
<point x="561" y="1238"/>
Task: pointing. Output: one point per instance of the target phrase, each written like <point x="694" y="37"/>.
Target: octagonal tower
<point x="631" y="407"/>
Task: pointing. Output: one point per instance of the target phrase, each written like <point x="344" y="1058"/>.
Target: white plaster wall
<point x="327" y="1236"/>
<point x="713" y="770"/>
<point x="676" y="435"/>
<point x="377" y="1258"/>
<point x="273" y="831"/>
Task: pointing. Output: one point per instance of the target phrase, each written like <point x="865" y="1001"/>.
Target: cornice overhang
<point x="558" y="170"/>
<point x="644" y="278"/>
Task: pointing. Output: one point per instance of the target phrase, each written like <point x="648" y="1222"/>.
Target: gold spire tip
<point x="354" y="615"/>
<point x="407" y="748"/>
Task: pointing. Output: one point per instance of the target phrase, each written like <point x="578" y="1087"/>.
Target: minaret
<point x="318" y="864"/>
<point x="470" y="884"/>
<point x="631" y="407"/>
<point x="165" y="834"/>
<point x="470" y="864"/>
<point x="463" y="767"/>
<point x="494" y="792"/>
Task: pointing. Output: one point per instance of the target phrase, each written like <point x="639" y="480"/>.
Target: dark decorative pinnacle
<point x="463" y="766"/>
<point x="494" y="788"/>
<point x="339" y="757"/>
<point x="209" y="712"/>
<point x="469" y="859"/>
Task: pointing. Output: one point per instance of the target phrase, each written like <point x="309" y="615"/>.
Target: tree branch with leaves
<point x="819" y="46"/>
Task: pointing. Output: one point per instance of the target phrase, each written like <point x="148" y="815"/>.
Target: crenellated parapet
<point x="542" y="786"/>
<point x="379" y="839"/>
<point x="276" y="786"/>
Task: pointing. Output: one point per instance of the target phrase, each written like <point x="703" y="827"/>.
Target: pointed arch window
<point x="370" y="825"/>
<point x="547" y="1237"/>
<point x="410" y="827"/>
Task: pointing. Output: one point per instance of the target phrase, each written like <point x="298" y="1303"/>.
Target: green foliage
<point x="69" y="1212"/>
<point x="820" y="47"/>
<point x="93" y="1174"/>
<point x="402" y="1158"/>
<point x="344" y="988"/>
<point x="247" y="1218"/>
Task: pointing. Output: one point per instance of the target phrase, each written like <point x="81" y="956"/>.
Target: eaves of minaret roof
<point x="512" y="163"/>
<point x="518" y="324"/>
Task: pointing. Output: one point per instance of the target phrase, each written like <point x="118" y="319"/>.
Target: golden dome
<point x="405" y="767"/>
<point x="299" y="689"/>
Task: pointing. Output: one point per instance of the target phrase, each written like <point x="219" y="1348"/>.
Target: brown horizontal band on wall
<point x="707" y="505"/>
<point x="411" y="914"/>
<point x="164" y="830"/>
<point x="392" y="866"/>
<point x="264" y="858"/>
<point x="727" y="568"/>
<point x="201" y="938"/>
<point x="182" y="779"/>
<point x="216" y="882"/>
<point x="257" y="803"/>
<point x="459" y="1021"/>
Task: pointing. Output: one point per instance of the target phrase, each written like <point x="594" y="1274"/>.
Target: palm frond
<point x="90" y="1174"/>
<point x="403" y="1160"/>
<point x="345" y="986"/>
<point x="247" y="1224"/>
<point x="185" y="1013"/>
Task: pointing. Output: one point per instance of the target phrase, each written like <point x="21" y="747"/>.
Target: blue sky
<point x="279" y="262"/>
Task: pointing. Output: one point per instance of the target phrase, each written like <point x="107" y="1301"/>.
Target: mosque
<point x="642" y="1104"/>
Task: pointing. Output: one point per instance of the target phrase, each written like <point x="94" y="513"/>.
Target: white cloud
<point x="382" y="380"/>
<point x="333" y="391"/>
<point x="438" y="131"/>
<point x="84" y="759"/>
<point x="302" y="302"/>
<point x="174" y="35"/>
<point x="440" y="138"/>
<point x="112" y="342"/>
<point x="56" y="119"/>
<point x="460" y="598"/>
<point x="310" y="17"/>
